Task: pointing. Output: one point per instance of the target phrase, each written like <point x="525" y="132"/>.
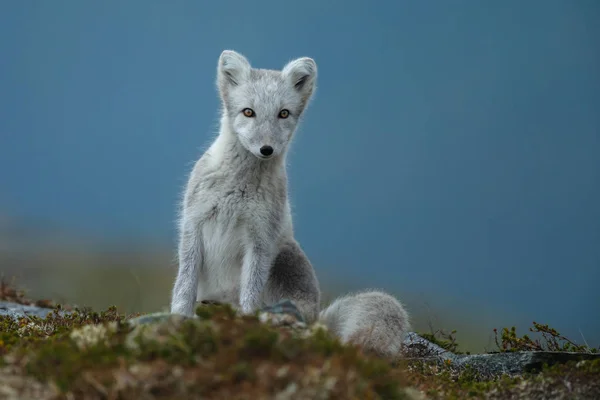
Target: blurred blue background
<point x="451" y="154"/>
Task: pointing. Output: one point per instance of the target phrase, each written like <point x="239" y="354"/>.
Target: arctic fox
<point x="372" y="319"/>
<point x="236" y="241"/>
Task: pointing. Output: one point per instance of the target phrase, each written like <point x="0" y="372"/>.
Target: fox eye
<point x="284" y="113"/>
<point x="248" y="112"/>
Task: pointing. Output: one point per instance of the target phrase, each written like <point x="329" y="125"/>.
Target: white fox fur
<point x="372" y="319"/>
<point x="236" y="241"/>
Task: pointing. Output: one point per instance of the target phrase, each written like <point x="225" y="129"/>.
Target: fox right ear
<point x="302" y="74"/>
<point x="233" y="69"/>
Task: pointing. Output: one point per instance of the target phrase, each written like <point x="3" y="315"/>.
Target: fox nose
<point x="266" y="151"/>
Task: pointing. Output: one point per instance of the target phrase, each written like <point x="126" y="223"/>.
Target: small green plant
<point x="550" y="340"/>
<point x="446" y="340"/>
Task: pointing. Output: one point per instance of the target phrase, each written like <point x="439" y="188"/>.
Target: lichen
<point x="220" y="354"/>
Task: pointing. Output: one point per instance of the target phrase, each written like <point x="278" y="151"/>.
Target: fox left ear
<point x="233" y="69"/>
<point x="302" y="73"/>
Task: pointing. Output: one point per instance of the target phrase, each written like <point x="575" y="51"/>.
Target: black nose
<point x="266" y="150"/>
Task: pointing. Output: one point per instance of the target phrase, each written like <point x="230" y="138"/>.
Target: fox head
<point x="263" y="107"/>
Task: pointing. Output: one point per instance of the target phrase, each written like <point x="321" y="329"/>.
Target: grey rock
<point x="516" y="363"/>
<point x="284" y="307"/>
<point x="19" y="310"/>
<point x="491" y="364"/>
<point x="417" y="347"/>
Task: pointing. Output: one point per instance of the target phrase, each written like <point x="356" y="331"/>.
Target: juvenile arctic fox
<point x="236" y="241"/>
<point x="372" y="319"/>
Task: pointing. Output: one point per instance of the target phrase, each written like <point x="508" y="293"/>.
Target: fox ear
<point x="233" y="69"/>
<point x="302" y="73"/>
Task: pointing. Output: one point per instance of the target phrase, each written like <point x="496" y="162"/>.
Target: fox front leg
<point x="185" y="289"/>
<point x="256" y="266"/>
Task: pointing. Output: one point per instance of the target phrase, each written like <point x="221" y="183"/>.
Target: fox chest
<point x="224" y="238"/>
<point x="226" y="224"/>
<point x="224" y="234"/>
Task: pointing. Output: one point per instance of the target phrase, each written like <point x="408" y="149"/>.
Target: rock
<point x="19" y="310"/>
<point x="516" y="363"/>
<point x="491" y="364"/>
<point x="417" y="347"/>
<point x="286" y="307"/>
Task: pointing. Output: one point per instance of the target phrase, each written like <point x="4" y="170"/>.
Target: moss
<point x="324" y="343"/>
<point x="225" y="355"/>
<point x="216" y="356"/>
<point x="215" y="310"/>
<point x="259" y="341"/>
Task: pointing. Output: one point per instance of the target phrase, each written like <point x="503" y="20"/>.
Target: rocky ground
<point x="51" y="352"/>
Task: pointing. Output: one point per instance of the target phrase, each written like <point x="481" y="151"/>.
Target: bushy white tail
<point x="372" y="319"/>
